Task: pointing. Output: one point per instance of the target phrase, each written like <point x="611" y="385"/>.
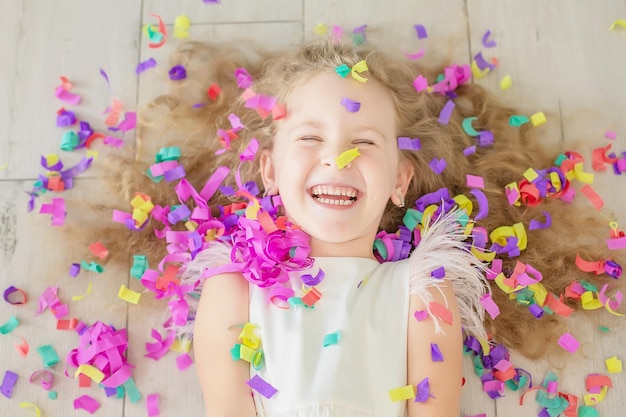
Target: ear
<point x="403" y="180"/>
<point x="268" y="176"/>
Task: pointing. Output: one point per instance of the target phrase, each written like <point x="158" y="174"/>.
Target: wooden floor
<point x="561" y="56"/>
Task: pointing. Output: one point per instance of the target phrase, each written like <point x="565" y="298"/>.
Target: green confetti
<point x="48" y="355"/>
<point x="10" y="325"/>
<point x="518" y="120"/>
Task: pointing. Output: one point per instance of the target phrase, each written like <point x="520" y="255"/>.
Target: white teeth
<point x="336" y="202"/>
<point x="332" y="190"/>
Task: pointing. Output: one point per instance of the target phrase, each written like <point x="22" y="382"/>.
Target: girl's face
<point x="339" y="208"/>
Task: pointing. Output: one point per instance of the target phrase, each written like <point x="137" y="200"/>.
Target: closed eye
<point x="363" y="142"/>
<point x="310" y="138"/>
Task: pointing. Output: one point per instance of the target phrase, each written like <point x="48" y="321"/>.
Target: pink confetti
<point x="475" y="181"/>
<point x="87" y="403"/>
<point x="421" y="315"/>
<point x="490" y="306"/>
<point x="569" y="342"/>
<point x="183" y="361"/>
<point x="159" y="348"/>
<point x="610" y="134"/>
<point x="56" y="209"/>
<point x="420" y="83"/>
<point x="152" y="404"/>
<point x="616" y="243"/>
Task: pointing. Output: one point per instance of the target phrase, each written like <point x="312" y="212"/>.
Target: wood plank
<point x="564" y="61"/>
<point x="225" y="11"/>
<point x="45" y="41"/>
<point x="32" y="259"/>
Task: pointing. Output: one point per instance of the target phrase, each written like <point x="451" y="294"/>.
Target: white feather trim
<point x="218" y="253"/>
<point x="442" y="244"/>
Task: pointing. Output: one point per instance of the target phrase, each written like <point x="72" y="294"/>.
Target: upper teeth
<point x="332" y="190"/>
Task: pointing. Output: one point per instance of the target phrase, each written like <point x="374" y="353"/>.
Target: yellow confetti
<point x="346" y="157"/>
<point x="181" y="27"/>
<point x="540" y="293"/>
<point x="506" y="82"/>
<point x="483" y="256"/>
<point x="181" y="345"/>
<point x="320" y="29"/>
<point x="3" y="167"/>
<point x="593" y="399"/>
<point x="464" y="203"/>
<point x="580" y="175"/>
<point x="93" y="154"/>
<point x="531" y="175"/>
<point x="477" y="73"/>
<point x="618" y="23"/>
<point x="52" y="159"/>
<point x="358" y="68"/>
<point x="37" y="409"/>
<point x="248" y="337"/>
<point x="403" y="393"/>
<point x="538" y="119"/>
<point x="589" y="301"/>
<point x="128" y="295"/>
<point x="92" y="372"/>
<point x="613" y="365"/>
<point x="80" y="297"/>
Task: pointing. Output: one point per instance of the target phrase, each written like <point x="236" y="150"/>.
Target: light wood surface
<point x="561" y="56"/>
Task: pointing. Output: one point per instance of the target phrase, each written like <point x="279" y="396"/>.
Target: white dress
<point x="368" y="304"/>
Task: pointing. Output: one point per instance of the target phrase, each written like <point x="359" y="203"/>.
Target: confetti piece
<point x="214" y="91"/>
<point x="403" y="393"/>
<point x="87" y="292"/>
<point x="98" y="250"/>
<point x="158" y="38"/>
<point x="506" y="82"/>
<point x="438" y="273"/>
<point x="420" y="83"/>
<point x="87" y="403"/>
<point x="92" y="372"/>
<point x="569" y="342"/>
<point x="311" y="297"/>
<point x="518" y="120"/>
<point x="181" y="27"/>
<point x="595" y="199"/>
<point x="128" y="295"/>
<point x="423" y="391"/>
<point x="342" y="70"/>
<point x="22" y="348"/>
<point x="446" y="112"/>
<point x="357" y="69"/>
<point x="440" y="312"/>
<point x="437" y="165"/>
<point x="31" y="405"/>
<point x="435" y="353"/>
<point x="332" y="338"/>
<point x="8" y="383"/>
<point x="320" y="29"/>
<point x="177" y="73"/>
<point x="145" y="65"/>
<point x="183" y="361"/>
<point x="490" y="306"/>
<point x="262" y="387"/>
<point x="10" y="325"/>
<point x="152" y="404"/>
<point x="613" y="365"/>
<point x="56" y="209"/>
<point x="48" y="355"/>
<point x="610" y="134"/>
<point x="421" y="31"/>
<point x="346" y="157"/>
<point x="421" y="315"/>
<point x="619" y="23"/>
<point x="468" y="128"/>
<point x="487" y="43"/>
<point x="538" y="119"/>
<point x="475" y="181"/>
<point x="350" y="105"/>
<point x="15" y="296"/>
<point x="586" y="411"/>
<point x="409" y="144"/>
<point x="52" y="395"/>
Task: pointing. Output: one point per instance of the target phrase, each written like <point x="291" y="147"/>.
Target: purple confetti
<point x="423" y="391"/>
<point x="534" y="224"/>
<point x="106" y="77"/>
<point x="421" y="31"/>
<point x="259" y="385"/>
<point x="142" y="66"/>
<point x="177" y="73"/>
<point x="435" y="353"/>
<point x="438" y="273"/>
<point x="437" y="165"/>
<point x="409" y="144"/>
<point x="350" y="105"/>
<point x="488" y="43"/>
<point x="8" y="382"/>
<point x="446" y="112"/>
<point x="482" y="63"/>
<point x="469" y="150"/>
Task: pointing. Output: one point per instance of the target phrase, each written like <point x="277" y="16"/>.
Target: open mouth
<point x="335" y="195"/>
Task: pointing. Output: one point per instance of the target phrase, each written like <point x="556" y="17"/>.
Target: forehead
<point x="321" y="97"/>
